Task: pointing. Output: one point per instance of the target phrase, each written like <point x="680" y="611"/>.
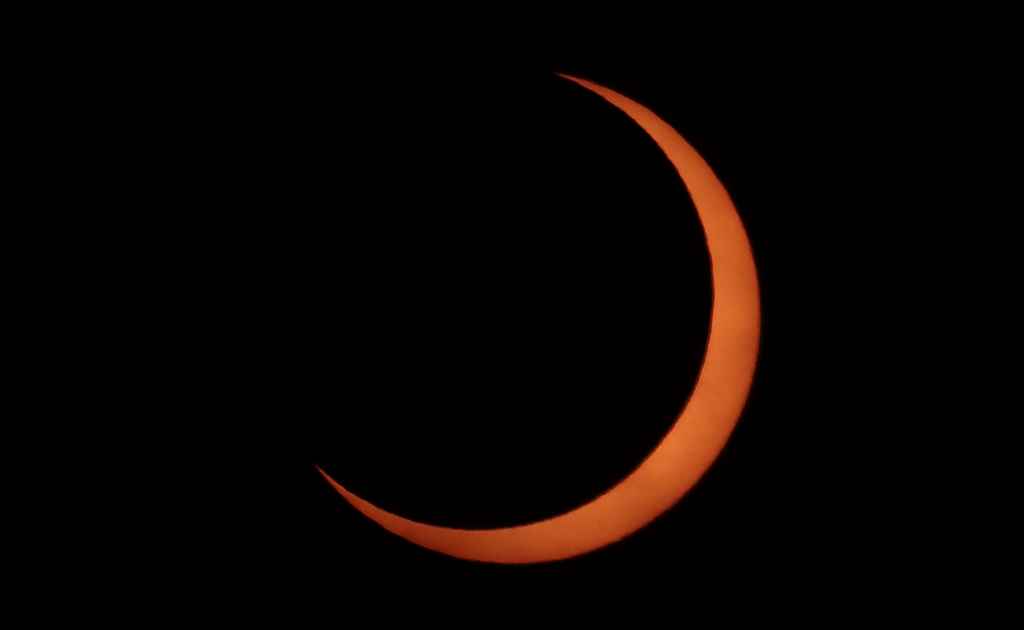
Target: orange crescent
<point x="697" y="436"/>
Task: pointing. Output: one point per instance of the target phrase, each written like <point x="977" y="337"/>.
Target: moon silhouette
<point x="698" y="434"/>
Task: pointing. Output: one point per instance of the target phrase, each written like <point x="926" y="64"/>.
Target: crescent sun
<point x="698" y="434"/>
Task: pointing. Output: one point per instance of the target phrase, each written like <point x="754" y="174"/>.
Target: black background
<point x="478" y="295"/>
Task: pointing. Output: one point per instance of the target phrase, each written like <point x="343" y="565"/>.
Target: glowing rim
<point x="698" y="435"/>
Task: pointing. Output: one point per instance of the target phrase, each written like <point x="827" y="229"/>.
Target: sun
<point x="702" y="428"/>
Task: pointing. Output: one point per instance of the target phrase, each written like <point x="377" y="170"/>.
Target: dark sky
<point x="478" y="295"/>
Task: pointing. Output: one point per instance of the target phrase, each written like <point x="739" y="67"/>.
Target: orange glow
<point x="697" y="436"/>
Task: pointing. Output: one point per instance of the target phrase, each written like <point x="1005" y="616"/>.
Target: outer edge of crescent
<point x="718" y="397"/>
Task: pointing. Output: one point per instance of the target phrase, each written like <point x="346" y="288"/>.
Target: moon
<point x="698" y="434"/>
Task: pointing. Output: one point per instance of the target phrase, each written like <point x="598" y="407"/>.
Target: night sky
<point x="478" y="295"/>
